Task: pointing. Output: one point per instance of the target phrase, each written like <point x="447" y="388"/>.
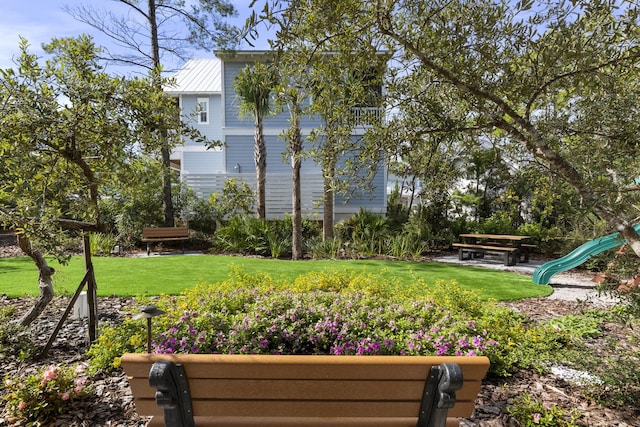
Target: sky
<point x="40" y="20"/>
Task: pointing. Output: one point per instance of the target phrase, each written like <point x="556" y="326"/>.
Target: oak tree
<point x="68" y="130"/>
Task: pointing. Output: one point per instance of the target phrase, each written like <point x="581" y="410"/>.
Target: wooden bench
<point x="510" y="254"/>
<point x="163" y="234"/>
<point x="319" y="390"/>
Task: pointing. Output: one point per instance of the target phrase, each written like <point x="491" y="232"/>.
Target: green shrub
<point x="531" y="413"/>
<point x="365" y="232"/>
<point x="346" y="313"/>
<point x="38" y="398"/>
<point x="619" y="374"/>
<point x="130" y="336"/>
<point x="323" y="249"/>
<point x="498" y="223"/>
<point x="254" y="236"/>
<point x="244" y="234"/>
<point x="201" y="216"/>
<point x="15" y="340"/>
<point x="548" y="239"/>
<point x="102" y="243"/>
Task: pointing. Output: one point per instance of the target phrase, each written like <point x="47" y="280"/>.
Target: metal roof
<point x="198" y="76"/>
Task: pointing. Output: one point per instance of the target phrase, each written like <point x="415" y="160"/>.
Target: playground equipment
<point x="578" y="256"/>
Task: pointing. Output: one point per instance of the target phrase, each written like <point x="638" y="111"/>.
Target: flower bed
<point x="330" y="314"/>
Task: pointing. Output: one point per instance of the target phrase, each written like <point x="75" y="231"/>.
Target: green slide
<point x="581" y="254"/>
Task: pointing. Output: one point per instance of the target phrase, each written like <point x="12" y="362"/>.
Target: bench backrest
<point x="271" y="390"/>
<point x="164" y="232"/>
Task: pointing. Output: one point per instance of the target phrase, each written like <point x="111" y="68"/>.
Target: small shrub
<point x="366" y="233"/>
<point x="102" y="243"/>
<point x="578" y="327"/>
<point x="244" y="234"/>
<point x="326" y="249"/>
<point x="532" y="413"/>
<point x="619" y="374"/>
<point x="201" y="216"/>
<point x="15" y="340"/>
<point x="130" y="336"/>
<point x="405" y="245"/>
<point x="249" y="235"/>
<point x="498" y="223"/>
<point x="38" y="398"/>
<point x="547" y="238"/>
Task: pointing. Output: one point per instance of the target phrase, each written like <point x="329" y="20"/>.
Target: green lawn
<point x="173" y="274"/>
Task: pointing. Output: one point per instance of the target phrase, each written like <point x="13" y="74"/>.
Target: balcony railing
<point x="366" y="116"/>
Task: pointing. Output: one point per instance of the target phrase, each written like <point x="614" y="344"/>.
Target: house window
<point x="203" y="110"/>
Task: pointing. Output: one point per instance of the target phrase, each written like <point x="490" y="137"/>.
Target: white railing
<point x="278" y="190"/>
<point x="366" y="116"/>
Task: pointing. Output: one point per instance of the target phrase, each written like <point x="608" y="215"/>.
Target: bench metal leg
<point x="172" y="385"/>
<point x="511" y="258"/>
<point x="471" y="254"/>
<point x="439" y="394"/>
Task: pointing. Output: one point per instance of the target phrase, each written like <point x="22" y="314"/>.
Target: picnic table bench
<point x="511" y="247"/>
<point x="316" y="390"/>
<point x="162" y="234"/>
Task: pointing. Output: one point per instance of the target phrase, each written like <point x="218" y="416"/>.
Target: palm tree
<point x="253" y="87"/>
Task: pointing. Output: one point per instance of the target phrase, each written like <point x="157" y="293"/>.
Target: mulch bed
<point x="112" y="402"/>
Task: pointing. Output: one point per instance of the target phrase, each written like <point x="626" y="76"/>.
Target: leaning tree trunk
<point x="44" y="281"/>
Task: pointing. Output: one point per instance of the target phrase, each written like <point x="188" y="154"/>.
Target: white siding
<point x="199" y="162"/>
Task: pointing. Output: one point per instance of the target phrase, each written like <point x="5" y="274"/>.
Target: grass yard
<point x="173" y="274"/>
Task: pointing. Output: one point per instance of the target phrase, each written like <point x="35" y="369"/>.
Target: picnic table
<point x="513" y="248"/>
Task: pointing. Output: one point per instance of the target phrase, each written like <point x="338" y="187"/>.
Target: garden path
<point x="571" y="285"/>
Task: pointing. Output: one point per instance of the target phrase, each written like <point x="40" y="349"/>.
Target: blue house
<point x="204" y="89"/>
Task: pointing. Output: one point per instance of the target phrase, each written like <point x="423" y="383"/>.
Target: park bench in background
<point x="509" y="254"/>
<point x="512" y="248"/>
<point x="163" y="234"/>
<point x="318" y="390"/>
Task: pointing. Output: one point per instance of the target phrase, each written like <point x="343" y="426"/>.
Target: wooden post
<point x="91" y="289"/>
<point x="74" y="298"/>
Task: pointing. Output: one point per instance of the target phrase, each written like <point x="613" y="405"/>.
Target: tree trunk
<point x="296" y="206"/>
<point x="329" y="203"/>
<point x="167" y="200"/>
<point x="260" y="157"/>
<point x="45" y="284"/>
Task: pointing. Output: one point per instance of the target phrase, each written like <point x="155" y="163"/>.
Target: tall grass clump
<point x="102" y="243"/>
<point x="246" y="234"/>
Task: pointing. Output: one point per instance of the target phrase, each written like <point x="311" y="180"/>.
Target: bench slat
<point x="164" y="233"/>
<point x="303" y="367"/>
<point x="282" y="409"/>
<point x="303" y="422"/>
<point x="302" y="390"/>
<point x="485" y="247"/>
